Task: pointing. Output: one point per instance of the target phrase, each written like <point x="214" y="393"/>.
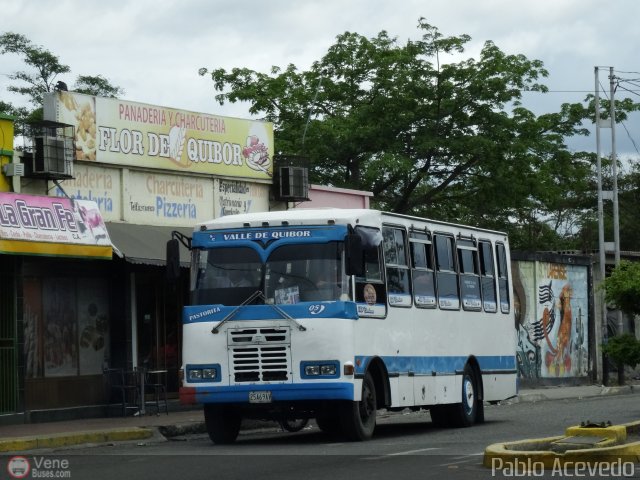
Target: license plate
<point x="260" y="397"/>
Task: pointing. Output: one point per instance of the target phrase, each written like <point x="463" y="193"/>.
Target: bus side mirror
<point x="355" y="255"/>
<point x="173" y="260"/>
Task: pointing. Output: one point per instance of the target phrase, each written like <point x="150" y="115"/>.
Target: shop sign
<point x="114" y="131"/>
<point x="94" y="183"/>
<point x="38" y="225"/>
<point x="234" y="196"/>
<point x="177" y="200"/>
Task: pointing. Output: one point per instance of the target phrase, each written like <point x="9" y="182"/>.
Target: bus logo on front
<point x="316" y="309"/>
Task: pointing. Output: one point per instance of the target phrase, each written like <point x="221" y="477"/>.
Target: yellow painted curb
<point x="532" y="454"/>
<point x="75" y="438"/>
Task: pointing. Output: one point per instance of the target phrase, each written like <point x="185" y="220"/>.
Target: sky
<point x="154" y="48"/>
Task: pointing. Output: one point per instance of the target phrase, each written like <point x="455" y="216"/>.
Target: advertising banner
<point x="114" y="131"/>
<point x="38" y="225"/>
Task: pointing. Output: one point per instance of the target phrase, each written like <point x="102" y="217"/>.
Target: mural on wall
<point x="552" y="315"/>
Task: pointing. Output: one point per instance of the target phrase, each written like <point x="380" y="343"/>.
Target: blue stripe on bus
<point x="216" y="313"/>
<point x="436" y="364"/>
<point x="281" y="392"/>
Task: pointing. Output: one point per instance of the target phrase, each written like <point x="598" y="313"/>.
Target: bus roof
<point x="306" y="216"/>
<point x="326" y="216"/>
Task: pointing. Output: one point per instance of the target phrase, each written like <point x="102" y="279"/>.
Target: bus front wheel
<point x="358" y="419"/>
<point x="222" y="422"/>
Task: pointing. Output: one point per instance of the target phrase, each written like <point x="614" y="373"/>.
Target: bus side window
<point x="487" y="277"/>
<point x="446" y="276"/>
<point x="370" y="290"/>
<point x="397" y="266"/>
<point x="469" y="278"/>
<point x="503" y="279"/>
<point x="424" y="290"/>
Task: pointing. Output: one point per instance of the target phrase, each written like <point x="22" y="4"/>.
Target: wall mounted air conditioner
<point x="53" y="155"/>
<point x="293" y="184"/>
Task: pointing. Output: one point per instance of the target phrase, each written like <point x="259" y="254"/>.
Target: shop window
<point x="66" y="326"/>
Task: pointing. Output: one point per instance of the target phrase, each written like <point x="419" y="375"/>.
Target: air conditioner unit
<point x="53" y="155"/>
<point x="293" y="183"/>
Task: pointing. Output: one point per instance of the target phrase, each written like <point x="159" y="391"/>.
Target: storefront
<point x="153" y="170"/>
<point x="55" y="259"/>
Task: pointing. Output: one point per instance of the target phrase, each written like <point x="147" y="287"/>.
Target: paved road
<point x="404" y="446"/>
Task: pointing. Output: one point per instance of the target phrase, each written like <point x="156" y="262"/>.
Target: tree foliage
<point x="42" y="76"/>
<point x="45" y="67"/>
<point x="97" y="85"/>
<point x="431" y="134"/>
<point x="622" y="287"/>
<point x="623" y="350"/>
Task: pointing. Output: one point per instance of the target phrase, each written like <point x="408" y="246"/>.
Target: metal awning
<point x="145" y="244"/>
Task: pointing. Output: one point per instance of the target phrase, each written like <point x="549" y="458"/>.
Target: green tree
<point x="622" y="287"/>
<point x="429" y="134"/>
<point x="97" y="85"/>
<point x="44" y="71"/>
<point x="45" y="65"/>
<point x="622" y="291"/>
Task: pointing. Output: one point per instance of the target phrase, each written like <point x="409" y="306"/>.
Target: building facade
<point x="143" y="171"/>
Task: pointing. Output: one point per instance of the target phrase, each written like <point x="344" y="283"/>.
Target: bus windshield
<point x="292" y="273"/>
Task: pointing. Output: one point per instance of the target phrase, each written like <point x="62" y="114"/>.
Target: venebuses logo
<point x="18" y="467"/>
<point x="38" y="467"/>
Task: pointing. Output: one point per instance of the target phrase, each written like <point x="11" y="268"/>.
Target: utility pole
<point x="607" y="195"/>
<point x="601" y="250"/>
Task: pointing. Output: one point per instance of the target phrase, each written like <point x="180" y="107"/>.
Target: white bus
<point x="333" y="314"/>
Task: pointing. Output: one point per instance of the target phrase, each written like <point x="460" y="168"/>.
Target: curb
<point x="76" y="438"/>
<point x="613" y="390"/>
<point x="532" y="454"/>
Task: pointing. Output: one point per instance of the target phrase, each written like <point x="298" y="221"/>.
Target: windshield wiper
<point x="251" y="298"/>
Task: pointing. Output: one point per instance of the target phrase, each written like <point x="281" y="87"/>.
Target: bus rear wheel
<point x="222" y="422"/>
<point x="465" y="413"/>
<point x="358" y="419"/>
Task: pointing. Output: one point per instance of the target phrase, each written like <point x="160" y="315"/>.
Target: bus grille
<point x="260" y="354"/>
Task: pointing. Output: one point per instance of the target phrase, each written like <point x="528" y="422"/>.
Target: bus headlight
<point x="209" y="373"/>
<point x="202" y="373"/>
<point x="312" y="370"/>
<point x="327" y="370"/>
<point x="320" y="369"/>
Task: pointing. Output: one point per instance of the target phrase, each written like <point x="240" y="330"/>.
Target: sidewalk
<point x="23" y="437"/>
